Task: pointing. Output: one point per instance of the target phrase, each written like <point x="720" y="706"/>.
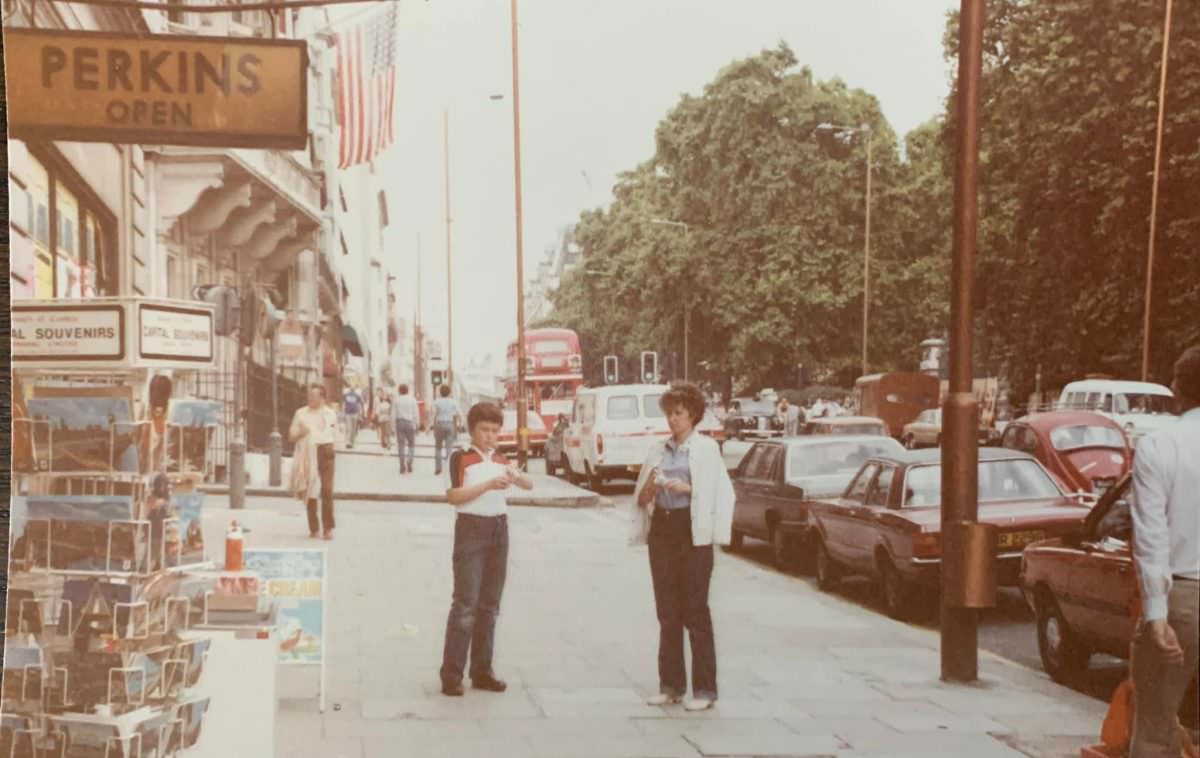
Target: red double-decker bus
<point x="553" y="372"/>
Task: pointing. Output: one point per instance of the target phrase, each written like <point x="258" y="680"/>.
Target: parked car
<point x="749" y="417"/>
<point x="710" y="426"/>
<point x="555" y="443"/>
<point x="1138" y="407"/>
<point x="887" y="523"/>
<point x="612" y="428"/>
<point x="506" y="442"/>
<point x="1083" y="592"/>
<point x="846" y="425"/>
<point x="924" y="431"/>
<point x="778" y="479"/>
<point x="1086" y="451"/>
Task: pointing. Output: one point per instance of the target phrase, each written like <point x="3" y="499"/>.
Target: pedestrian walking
<point x="445" y="427"/>
<point x="383" y="418"/>
<point x="790" y="416"/>
<point x="313" y="432"/>
<point x="684" y="505"/>
<point x="476" y="482"/>
<point x="405" y="415"/>
<point x="352" y="403"/>
<point x="1166" y="551"/>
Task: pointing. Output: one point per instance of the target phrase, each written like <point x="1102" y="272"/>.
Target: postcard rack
<point x="109" y="582"/>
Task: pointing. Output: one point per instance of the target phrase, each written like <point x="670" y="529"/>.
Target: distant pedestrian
<point x="383" y="418"/>
<point x="476" y="481"/>
<point x="790" y="416"/>
<point x="352" y="403"/>
<point x="1166" y="551"/>
<point x="314" y="431"/>
<point x="684" y="505"/>
<point x="405" y="415"/>
<point x="445" y="427"/>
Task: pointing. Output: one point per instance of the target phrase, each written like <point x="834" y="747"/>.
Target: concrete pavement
<point x="370" y="473"/>
<point x="801" y="673"/>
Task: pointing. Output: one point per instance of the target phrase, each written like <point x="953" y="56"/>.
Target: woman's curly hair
<point x="687" y="396"/>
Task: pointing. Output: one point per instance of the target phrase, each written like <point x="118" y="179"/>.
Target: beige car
<point x="924" y="431"/>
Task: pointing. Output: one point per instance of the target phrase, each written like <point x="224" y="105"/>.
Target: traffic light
<point x="227" y="309"/>
<point x="649" y="366"/>
<point x="248" y="318"/>
<point x="436" y="378"/>
<point x="612" y="373"/>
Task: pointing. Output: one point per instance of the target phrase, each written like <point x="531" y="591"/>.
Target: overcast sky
<point x="596" y="78"/>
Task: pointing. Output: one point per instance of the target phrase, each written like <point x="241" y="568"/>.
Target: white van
<point x="611" y="431"/>
<point x="1139" y="407"/>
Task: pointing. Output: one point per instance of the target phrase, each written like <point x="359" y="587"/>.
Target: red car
<point x="1083" y="591"/>
<point x="887" y="523"/>
<point x="506" y="442"/>
<point x="1086" y="451"/>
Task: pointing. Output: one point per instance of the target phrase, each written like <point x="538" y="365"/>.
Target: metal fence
<point x="291" y="394"/>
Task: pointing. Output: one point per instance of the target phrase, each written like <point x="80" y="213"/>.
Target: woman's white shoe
<point x="664" y="699"/>
<point x="698" y="704"/>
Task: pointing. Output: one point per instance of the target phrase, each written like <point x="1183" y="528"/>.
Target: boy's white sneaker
<point x="698" y="704"/>
<point x="664" y="699"/>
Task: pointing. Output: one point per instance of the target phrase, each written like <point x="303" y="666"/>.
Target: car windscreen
<point x="832" y="458"/>
<point x="756" y="408"/>
<point x="1130" y="402"/>
<point x="856" y="429"/>
<point x="1011" y="479"/>
<point x="1073" y="437"/>
<point x="622" y="408"/>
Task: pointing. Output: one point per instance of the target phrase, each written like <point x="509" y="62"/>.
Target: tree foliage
<point x="771" y="263"/>
<point x="1070" y="102"/>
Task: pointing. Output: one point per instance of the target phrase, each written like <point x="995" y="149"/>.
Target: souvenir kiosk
<point x="122" y="640"/>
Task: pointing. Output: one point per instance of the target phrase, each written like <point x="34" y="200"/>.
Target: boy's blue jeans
<point x="443" y="441"/>
<point x="480" y="567"/>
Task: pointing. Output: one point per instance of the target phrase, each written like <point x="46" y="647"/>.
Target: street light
<point x="522" y="401"/>
<point x="866" y="131"/>
<point x="687" y="301"/>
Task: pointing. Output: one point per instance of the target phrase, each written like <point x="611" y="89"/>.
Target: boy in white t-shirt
<point x="477" y="479"/>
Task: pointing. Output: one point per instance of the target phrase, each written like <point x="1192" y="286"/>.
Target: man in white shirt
<point x="1166" y="550"/>
<point x="314" y="430"/>
<point x="405" y="416"/>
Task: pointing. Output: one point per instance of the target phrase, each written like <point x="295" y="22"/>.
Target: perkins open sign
<point x="157" y="89"/>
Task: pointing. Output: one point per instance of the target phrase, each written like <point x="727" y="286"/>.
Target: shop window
<point x="72" y="256"/>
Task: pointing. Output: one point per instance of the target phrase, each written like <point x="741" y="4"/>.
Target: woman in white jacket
<point x="684" y="506"/>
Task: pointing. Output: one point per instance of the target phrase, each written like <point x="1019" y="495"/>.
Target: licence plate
<point x="1020" y="539"/>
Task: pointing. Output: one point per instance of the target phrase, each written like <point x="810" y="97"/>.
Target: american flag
<point x="366" y="88"/>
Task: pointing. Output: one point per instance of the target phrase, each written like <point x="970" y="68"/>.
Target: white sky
<point x="596" y="78"/>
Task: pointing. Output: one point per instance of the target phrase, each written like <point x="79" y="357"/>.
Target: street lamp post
<point x="968" y="565"/>
<point x="522" y="401"/>
<point x="1162" y="99"/>
<point x="687" y="301"/>
<point x="449" y="266"/>
<point x="865" y="130"/>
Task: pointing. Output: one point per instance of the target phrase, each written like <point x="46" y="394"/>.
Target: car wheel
<point x="595" y="482"/>
<point x="736" y="540"/>
<point x="909" y="442"/>
<point x="827" y="573"/>
<point x="1063" y="656"/>
<point x="781" y="552"/>
<point x="895" y="590"/>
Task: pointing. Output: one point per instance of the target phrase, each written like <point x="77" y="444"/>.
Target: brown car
<point x="887" y="524"/>
<point x="1083" y="592"/>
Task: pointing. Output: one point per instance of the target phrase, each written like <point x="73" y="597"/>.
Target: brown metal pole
<point x="522" y="401"/>
<point x="1162" y="101"/>
<point x="867" y="259"/>
<point x="449" y="267"/>
<point x="960" y="453"/>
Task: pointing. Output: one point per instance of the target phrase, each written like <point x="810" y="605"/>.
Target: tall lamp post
<point x="968" y="564"/>
<point x="865" y="130"/>
<point x="449" y="267"/>
<point x="1162" y="99"/>
<point x="687" y="301"/>
<point x="522" y="401"/>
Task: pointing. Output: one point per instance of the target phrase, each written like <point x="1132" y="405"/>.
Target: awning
<point x="350" y="341"/>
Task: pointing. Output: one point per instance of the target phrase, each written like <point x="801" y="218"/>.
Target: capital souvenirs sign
<point x="156" y="89"/>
